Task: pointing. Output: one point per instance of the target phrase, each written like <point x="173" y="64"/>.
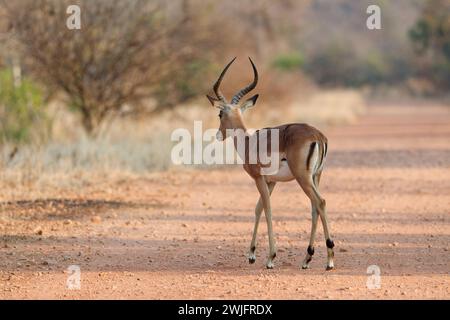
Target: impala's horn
<point x="217" y="84"/>
<point x="247" y="89"/>
<point x="211" y="99"/>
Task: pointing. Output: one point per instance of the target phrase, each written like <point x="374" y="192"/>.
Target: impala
<point x="302" y="150"/>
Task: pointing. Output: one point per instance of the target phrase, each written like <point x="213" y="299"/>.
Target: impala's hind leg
<point x="319" y="204"/>
<point x="310" y="250"/>
<point x="306" y="164"/>
<point x="258" y="211"/>
<point x="314" y="218"/>
<point x="329" y="242"/>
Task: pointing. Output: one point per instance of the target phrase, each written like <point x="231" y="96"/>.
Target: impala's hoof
<point x="308" y="259"/>
<point x="270" y="265"/>
<point x="329" y="268"/>
<point x="252" y="256"/>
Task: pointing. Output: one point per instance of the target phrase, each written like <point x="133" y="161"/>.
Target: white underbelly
<point x="282" y="175"/>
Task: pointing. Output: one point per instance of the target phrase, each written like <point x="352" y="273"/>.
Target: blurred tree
<point x="121" y="50"/>
<point x="339" y="50"/>
<point x="204" y="39"/>
<point x="333" y="65"/>
<point x="431" y="39"/>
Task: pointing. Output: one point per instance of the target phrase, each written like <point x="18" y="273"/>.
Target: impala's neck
<point x="240" y="134"/>
<point x="237" y="122"/>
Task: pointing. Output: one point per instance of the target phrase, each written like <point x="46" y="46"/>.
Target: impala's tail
<point x="319" y="149"/>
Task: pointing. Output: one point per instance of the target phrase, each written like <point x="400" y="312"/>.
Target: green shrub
<point x="22" y="114"/>
<point x="288" y="62"/>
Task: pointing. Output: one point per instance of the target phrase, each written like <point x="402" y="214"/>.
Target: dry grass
<point x="136" y="147"/>
<point x="332" y="107"/>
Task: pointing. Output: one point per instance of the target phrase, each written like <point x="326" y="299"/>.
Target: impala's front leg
<point x="258" y="211"/>
<point x="265" y="198"/>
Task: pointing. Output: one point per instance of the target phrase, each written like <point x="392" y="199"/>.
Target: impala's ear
<point x="249" y="103"/>
<point x="211" y="99"/>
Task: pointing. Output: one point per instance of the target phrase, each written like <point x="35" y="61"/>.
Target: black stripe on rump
<point x="321" y="153"/>
<point x="311" y="151"/>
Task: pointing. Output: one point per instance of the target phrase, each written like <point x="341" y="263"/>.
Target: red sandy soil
<point x="184" y="234"/>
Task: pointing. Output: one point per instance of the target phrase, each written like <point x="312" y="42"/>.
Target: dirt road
<point x="185" y="234"/>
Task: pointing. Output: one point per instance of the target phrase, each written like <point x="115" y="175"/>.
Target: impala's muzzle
<point x="219" y="135"/>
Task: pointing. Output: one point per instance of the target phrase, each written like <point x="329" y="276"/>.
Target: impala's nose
<point x="219" y="135"/>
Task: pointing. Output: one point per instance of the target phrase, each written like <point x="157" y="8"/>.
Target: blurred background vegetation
<point x="109" y="94"/>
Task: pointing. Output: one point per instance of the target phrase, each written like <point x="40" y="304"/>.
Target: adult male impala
<point x="302" y="152"/>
